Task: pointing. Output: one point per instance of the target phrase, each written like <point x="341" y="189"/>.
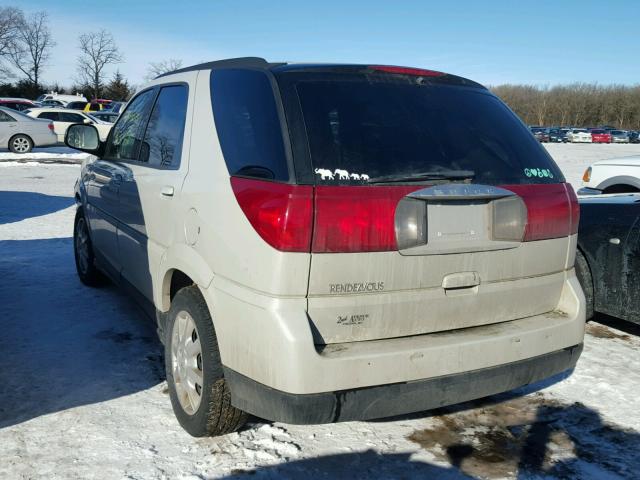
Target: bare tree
<point x="156" y="69"/>
<point x="97" y="50"/>
<point x="10" y="19"/>
<point x="32" y="48"/>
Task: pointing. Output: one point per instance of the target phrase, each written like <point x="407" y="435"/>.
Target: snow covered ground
<point x="82" y="391"/>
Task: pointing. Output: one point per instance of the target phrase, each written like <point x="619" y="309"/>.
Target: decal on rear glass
<point x="339" y="174"/>
<point x="538" y="172"/>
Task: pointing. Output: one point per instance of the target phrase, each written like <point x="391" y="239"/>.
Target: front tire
<point x="84" y="254"/>
<point x="199" y="394"/>
<point x="20" y="144"/>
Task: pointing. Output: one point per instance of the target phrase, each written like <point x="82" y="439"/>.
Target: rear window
<point x="598" y="132"/>
<point x="248" y="124"/>
<point x="373" y="126"/>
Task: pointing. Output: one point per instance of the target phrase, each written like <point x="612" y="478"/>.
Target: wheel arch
<point x="620" y="180"/>
<point x="181" y="265"/>
<point x="589" y="261"/>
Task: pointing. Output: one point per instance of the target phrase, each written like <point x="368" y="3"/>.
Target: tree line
<point x="26" y="45"/>
<point x="577" y="104"/>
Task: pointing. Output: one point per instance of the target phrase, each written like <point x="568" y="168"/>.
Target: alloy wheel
<point x="186" y="362"/>
<point x="21" y="145"/>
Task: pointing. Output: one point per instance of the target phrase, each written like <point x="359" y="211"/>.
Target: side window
<point x="162" y="144"/>
<point x="71" y="117"/>
<point x="248" y="125"/>
<point x="5" y="117"/>
<point x="50" y="116"/>
<point x="125" y="138"/>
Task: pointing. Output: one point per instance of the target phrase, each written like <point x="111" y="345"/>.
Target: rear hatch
<point x="434" y="208"/>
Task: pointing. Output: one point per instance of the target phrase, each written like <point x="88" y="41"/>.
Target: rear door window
<point x="248" y="124"/>
<point x="162" y="144"/>
<point x="71" y="117"/>
<point x="374" y="126"/>
<point x="50" y="116"/>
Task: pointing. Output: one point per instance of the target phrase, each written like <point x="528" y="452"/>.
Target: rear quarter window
<point x="248" y="124"/>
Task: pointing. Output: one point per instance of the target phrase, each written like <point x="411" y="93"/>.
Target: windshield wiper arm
<point x="419" y="177"/>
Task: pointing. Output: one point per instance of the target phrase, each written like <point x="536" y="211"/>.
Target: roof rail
<point x="255" y="62"/>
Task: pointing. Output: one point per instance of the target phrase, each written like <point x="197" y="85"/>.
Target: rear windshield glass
<point x="363" y="127"/>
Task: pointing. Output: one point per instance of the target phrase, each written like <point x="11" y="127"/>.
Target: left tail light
<point x="281" y="214"/>
<point x="50" y="125"/>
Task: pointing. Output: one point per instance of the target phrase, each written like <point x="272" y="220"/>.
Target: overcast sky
<point x="493" y="42"/>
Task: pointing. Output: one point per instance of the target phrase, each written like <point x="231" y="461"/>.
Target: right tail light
<point x="552" y="210"/>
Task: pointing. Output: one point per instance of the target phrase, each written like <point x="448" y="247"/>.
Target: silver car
<point x="619" y="136"/>
<point x="20" y="133"/>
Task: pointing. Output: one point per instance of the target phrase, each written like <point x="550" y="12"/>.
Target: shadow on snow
<point x="17" y="206"/>
<point x="64" y="344"/>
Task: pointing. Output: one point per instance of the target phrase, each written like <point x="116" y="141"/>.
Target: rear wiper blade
<point x="419" y="177"/>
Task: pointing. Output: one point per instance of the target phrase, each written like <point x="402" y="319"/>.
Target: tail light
<point x="357" y="219"/>
<point x="552" y="210"/>
<point x="575" y="208"/>
<point x="50" y="125"/>
<point x="280" y="213"/>
<point x="348" y="219"/>
<point x="509" y="219"/>
<point x="411" y="223"/>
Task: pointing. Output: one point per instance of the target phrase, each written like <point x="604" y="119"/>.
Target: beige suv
<point x="332" y="242"/>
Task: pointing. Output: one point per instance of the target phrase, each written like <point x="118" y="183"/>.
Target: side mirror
<point x="85" y="138"/>
<point x="86" y="121"/>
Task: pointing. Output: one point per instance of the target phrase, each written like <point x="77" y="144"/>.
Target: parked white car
<point x="579" y="135"/>
<point x="63" y="117"/>
<point x="21" y="133"/>
<point x="62" y="98"/>
<point x="615" y="175"/>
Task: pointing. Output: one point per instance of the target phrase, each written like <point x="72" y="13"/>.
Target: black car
<point x="608" y="257"/>
<point x="557" y="135"/>
<point x="634" y="136"/>
<point x="541" y="134"/>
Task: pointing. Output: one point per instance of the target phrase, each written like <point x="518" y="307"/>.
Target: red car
<point x="18" y="104"/>
<point x="600" y="136"/>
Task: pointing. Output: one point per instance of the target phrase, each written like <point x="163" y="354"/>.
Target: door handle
<point x="167" y="191"/>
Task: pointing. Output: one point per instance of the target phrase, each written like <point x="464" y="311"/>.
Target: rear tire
<point x="192" y="356"/>
<point x="84" y="254"/>
<point x="20" y="144"/>
<point x="583" y="272"/>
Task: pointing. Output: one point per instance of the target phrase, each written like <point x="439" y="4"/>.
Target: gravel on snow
<point x="82" y="390"/>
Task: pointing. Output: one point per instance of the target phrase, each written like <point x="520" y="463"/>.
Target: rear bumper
<point x="394" y="399"/>
<point x="270" y="341"/>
